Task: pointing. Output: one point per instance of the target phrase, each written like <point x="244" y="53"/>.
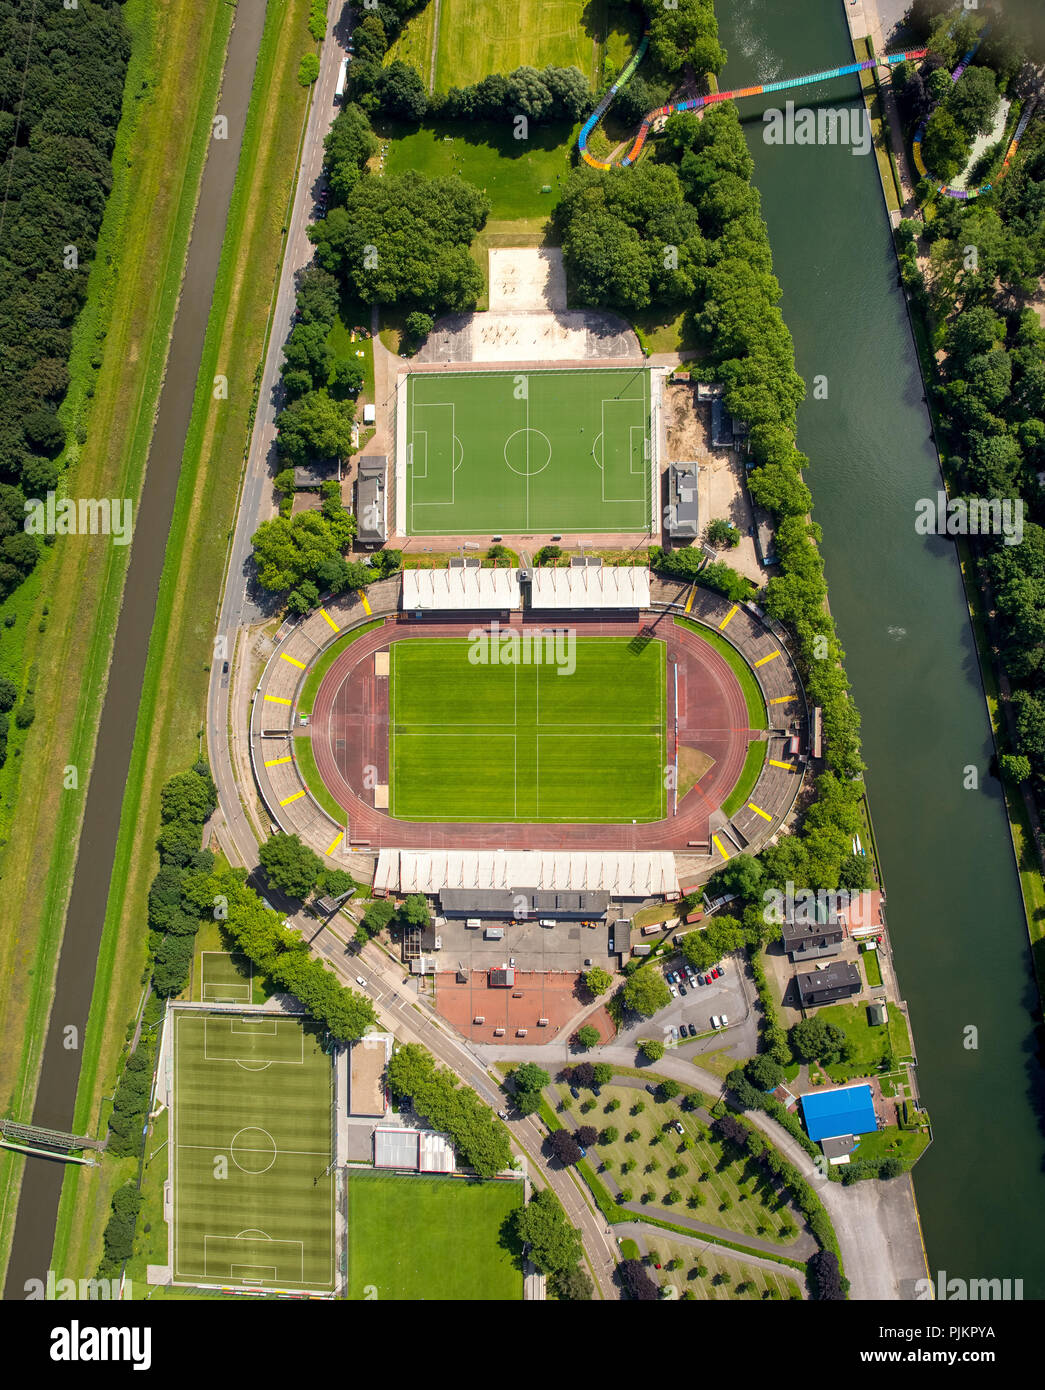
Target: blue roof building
<point x="847" y="1110"/>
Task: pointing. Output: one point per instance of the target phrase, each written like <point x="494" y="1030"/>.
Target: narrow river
<point x="954" y="906"/>
<point x="60" y="1072"/>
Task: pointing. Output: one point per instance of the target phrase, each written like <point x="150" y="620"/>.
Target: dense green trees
<point x="646" y="992"/>
<point x="541" y="95"/>
<point x="685" y="33"/>
<point x="289" y="865"/>
<point x="555" y="1245"/>
<point x="629" y="238"/>
<point x="62" y="88"/>
<point x="404" y="240"/>
<point x="481" y="1142"/>
<point x="186" y="800"/>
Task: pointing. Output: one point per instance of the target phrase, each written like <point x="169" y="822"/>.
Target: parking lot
<point x="732" y="994"/>
<point x="566" y="946"/>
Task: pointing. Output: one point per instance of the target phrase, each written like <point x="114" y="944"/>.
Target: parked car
<point x="575" y="1093"/>
<point x="701" y="980"/>
<point x="502" y="1114"/>
<point x="675" y="1033"/>
<point x="693" y="1030"/>
<point x="725" y="1021"/>
<point x="714" y="1020"/>
<point x="674" y="992"/>
<point x="682" y="988"/>
<point x="678" y="1126"/>
<point x="716" y="973"/>
<point x="651" y="1088"/>
<point x="360" y="981"/>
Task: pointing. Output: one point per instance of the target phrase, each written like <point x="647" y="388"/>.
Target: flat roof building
<point x="837" y="981"/>
<point x="446" y="590"/>
<point x="591" y="586"/>
<point x="683" y="510"/>
<point x="371" y="500"/>
<point x="618" y="873"/>
<point x="845" y="1110"/>
<point x="505" y="903"/>
<point x="415" y="1150"/>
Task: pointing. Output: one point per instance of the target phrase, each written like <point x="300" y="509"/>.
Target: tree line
<point x="980" y="265"/>
<point x="60" y="105"/>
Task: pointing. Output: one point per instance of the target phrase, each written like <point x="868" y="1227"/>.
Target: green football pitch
<point x="521" y="742"/>
<point x="512" y="453"/>
<point x="250" y="1145"/>
<point x="418" y="1238"/>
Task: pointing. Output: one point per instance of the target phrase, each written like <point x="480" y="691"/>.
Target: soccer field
<point x="511" y="453"/>
<point x="250" y="1145"/>
<point x="419" y="1238"/>
<point x="520" y="742"/>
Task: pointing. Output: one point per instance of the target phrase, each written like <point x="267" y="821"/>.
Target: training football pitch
<point x="418" y="1238"/>
<point x="515" y="740"/>
<point x="250" y="1147"/>
<point x="512" y="453"/>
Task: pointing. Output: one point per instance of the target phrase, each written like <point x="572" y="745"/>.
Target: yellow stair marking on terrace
<point x="293" y="797"/>
<point x="762" y="660"/>
<point x="759" y="811"/>
<point x="275" y="762"/>
<point x="728" y="617"/>
<point x="293" y="661"/>
<point x="330" y="620"/>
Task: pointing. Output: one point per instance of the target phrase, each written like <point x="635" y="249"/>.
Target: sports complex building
<point x="568" y="740"/>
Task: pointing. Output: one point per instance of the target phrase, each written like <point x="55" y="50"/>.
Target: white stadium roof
<point x="465" y="588"/>
<point x="591" y="586"/>
<point x="622" y="873"/>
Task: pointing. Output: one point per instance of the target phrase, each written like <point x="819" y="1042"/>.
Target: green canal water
<point x="954" y="907"/>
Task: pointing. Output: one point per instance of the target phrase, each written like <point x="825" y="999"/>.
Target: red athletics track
<point x="349" y="731"/>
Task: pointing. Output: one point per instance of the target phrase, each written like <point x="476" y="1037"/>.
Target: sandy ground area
<point x="526" y="279"/>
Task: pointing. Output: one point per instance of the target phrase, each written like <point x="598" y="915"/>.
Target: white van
<point x="473" y="922"/>
<point x="547" y="921"/>
<point x="724" y="1021"/>
<point x="716" y="1022"/>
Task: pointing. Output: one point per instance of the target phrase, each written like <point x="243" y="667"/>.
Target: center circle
<point x="527" y="452"/>
<point x="253" y="1150"/>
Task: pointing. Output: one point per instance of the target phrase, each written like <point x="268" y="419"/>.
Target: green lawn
<point x="733" y="1195"/>
<point x="749" y="775"/>
<point x="756" y="705"/>
<point x="872" y="1043"/>
<point x="872" y="969"/>
<point x="891" y="1142"/>
<point x="417" y="1239"/>
<point x="510" y="172"/>
<point x="721" y="1265"/>
<point x="499" y="452"/>
<point x="308" y="771"/>
<point x="476" y="38"/>
<point x="520" y="742"/>
<point x="251" y="1145"/>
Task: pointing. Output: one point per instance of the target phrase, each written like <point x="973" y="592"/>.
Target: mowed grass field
<point x="420" y="1238"/>
<point x="511" y="453"/>
<point x="485" y="742"/>
<point x="249" y="1152"/>
<point x="476" y="38"/>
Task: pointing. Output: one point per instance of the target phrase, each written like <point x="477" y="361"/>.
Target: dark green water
<point x="953" y="897"/>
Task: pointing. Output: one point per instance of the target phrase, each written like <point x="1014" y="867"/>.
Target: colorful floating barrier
<point x="787" y="84"/>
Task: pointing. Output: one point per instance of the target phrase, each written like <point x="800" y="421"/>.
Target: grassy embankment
<point x="119" y="352"/>
<point x="175" y="685"/>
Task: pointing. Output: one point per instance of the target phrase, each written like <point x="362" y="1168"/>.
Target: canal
<point x="60" y="1071"/>
<point x="954" y="907"/>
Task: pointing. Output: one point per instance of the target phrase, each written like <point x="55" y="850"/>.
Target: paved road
<point x="242" y="603"/>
